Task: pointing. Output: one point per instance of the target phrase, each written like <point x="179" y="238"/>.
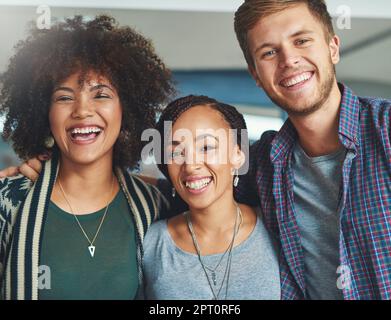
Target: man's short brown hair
<point x="251" y="11"/>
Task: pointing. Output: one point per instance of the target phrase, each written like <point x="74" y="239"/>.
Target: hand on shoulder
<point x="30" y="169"/>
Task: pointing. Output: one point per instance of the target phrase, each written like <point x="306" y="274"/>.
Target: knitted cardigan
<point x="23" y="209"/>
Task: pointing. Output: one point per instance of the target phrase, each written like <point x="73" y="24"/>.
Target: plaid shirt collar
<point x="285" y="139"/>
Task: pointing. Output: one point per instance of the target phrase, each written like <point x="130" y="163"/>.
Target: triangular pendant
<point x="91" y="248"/>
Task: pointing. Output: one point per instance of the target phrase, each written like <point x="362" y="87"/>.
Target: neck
<point x="318" y="132"/>
<point x="92" y="182"/>
<point x="218" y="217"/>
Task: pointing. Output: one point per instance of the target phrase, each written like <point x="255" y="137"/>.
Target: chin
<point x="198" y="205"/>
<point x="81" y="159"/>
<point x="297" y="107"/>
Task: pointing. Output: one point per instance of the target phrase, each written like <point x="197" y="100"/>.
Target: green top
<point x="66" y="265"/>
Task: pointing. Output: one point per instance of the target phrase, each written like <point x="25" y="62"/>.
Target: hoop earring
<point x="236" y="179"/>
<point x="49" y="142"/>
<point x="173" y="192"/>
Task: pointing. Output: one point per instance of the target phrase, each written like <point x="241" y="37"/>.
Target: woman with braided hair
<point x="217" y="249"/>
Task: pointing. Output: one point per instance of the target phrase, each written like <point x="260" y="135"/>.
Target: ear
<point x="334" y="46"/>
<point x="254" y="74"/>
<point x="238" y="158"/>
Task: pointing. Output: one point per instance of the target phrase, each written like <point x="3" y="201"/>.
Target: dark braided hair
<point x="47" y="57"/>
<point x="177" y="107"/>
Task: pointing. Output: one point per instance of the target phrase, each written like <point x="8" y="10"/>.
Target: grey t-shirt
<point x="317" y="186"/>
<point x="172" y="273"/>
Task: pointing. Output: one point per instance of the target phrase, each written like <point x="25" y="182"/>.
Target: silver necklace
<point x="91" y="247"/>
<point x="229" y="259"/>
<point x="212" y="270"/>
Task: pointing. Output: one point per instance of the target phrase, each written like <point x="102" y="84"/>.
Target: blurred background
<point x="196" y="40"/>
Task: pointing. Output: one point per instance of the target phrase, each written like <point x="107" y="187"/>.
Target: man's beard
<point x="325" y="91"/>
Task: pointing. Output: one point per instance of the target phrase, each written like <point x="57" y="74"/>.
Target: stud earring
<point x="49" y="142"/>
<point x="173" y="192"/>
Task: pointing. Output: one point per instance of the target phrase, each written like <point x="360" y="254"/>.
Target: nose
<point x="192" y="162"/>
<point x="289" y="57"/>
<point x="82" y="108"/>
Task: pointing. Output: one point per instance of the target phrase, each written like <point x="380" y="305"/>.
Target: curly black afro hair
<point x="48" y="57"/>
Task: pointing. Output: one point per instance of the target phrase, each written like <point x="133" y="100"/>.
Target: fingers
<point x="9" y="172"/>
<point x="28" y="171"/>
<point x="35" y="164"/>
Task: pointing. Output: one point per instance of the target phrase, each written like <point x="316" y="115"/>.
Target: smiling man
<point x="324" y="180"/>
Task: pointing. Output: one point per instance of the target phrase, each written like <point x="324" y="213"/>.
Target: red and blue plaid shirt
<point x="365" y="217"/>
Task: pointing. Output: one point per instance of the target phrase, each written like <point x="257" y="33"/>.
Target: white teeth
<point x="300" y="78"/>
<point x="86" y="130"/>
<point x="196" y="185"/>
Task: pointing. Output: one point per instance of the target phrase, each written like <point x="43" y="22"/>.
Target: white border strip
<point x="173" y="5"/>
<point x="360" y="9"/>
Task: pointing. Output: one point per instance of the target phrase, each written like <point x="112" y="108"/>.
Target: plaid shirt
<point x="365" y="216"/>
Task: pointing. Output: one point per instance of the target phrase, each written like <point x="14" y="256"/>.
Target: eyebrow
<point x="206" y="135"/>
<point x="63" y="89"/>
<point x="97" y="87"/>
<point x="296" y="34"/>
<point x="200" y="137"/>
<point x="301" y="32"/>
<point x="101" y="86"/>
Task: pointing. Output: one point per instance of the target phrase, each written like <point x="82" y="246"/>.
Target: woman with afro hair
<point x="83" y="91"/>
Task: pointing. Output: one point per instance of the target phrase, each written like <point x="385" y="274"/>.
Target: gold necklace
<point x="91" y="247"/>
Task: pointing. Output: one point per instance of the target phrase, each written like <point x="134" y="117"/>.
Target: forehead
<point x="84" y="79"/>
<point x="201" y="118"/>
<point x="284" y="24"/>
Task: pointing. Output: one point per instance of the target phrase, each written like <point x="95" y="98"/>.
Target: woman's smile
<point x="197" y="185"/>
<point x="84" y="134"/>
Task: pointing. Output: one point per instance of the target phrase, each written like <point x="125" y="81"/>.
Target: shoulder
<point x="162" y="233"/>
<point x="375" y="103"/>
<point x="268" y="136"/>
<point x="375" y="121"/>
<point x="253" y="221"/>
<point x="260" y="150"/>
<point x="156" y="228"/>
<point x="13" y="191"/>
<point x="16" y="184"/>
<point x="144" y="188"/>
<point x="149" y="190"/>
<point x="264" y="142"/>
<point x="172" y="227"/>
<point x="260" y="154"/>
<point x="155" y="236"/>
<point x="267" y="241"/>
<point x="376" y="109"/>
<point x="144" y="195"/>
